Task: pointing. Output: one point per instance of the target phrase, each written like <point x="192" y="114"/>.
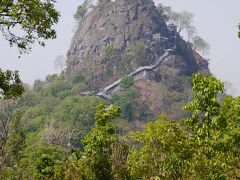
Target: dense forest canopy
<point x="205" y="145"/>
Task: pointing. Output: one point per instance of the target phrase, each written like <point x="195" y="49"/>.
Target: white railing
<point x="104" y="92"/>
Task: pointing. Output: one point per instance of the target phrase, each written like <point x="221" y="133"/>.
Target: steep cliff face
<point x="120" y="24"/>
<point x="117" y="37"/>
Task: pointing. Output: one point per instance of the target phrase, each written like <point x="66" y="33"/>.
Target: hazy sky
<point x="216" y="21"/>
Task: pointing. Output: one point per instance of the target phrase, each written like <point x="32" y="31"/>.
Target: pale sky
<point x="216" y="21"/>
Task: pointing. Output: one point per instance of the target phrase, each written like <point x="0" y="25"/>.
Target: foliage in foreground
<point x="11" y="86"/>
<point x="34" y="18"/>
<point x="203" y="146"/>
<point x="23" y="23"/>
<point x="239" y="30"/>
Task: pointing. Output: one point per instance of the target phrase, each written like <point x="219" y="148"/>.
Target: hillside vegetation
<point x="52" y="140"/>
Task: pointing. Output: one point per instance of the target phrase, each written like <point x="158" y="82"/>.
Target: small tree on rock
<point x="200" y="45"/>
<point x="82" y="10"/>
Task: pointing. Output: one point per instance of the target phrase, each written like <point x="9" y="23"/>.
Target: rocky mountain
<point x="130" y="38"/>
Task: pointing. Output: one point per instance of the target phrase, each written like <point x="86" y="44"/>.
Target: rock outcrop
<point x="118" y="23"/>
<point x="118" y="37"/>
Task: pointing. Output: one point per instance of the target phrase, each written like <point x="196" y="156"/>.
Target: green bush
<point x="76" y="109"/>
<point x="108" y="73"/>
<point x="126" y="102"/>
<point x="136" y="49"/>
<point x="127" y="82"/>
<point x="177" y="97"/>
<point x="78" y="88"/>
<point x="56" y="89"/>
<point x="108" y="53"/>
<point x="78" y="78"/>
<point x="81" y="13"/>
<point x="142" y="53"/>
<point x="124" y="64"/>
<point x="144" y="112"/>
<point x="54" y="77"/>
<point x="38" y="85"/>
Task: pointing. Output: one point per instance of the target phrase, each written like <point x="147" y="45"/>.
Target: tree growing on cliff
<point x="82" y="10"/>
<point x="165" y="11"/>
<point x="81" y="13"/>
<point x="183" y="20"/>
<point x="60" y="63"/>
<point x="200" y="45"/>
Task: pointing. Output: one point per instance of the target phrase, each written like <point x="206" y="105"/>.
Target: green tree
<point x="165" y="11"/>
<point x="229" y="119"/>
<point x="39" y="160"/>
<point x="81" y="13"/>
<point x="35" y="19"/>
<point x="78" y="78"/>
<point x="73" y="168"/>
<point x="126" y="82"/>
<point x="239" y="30"/>
<point x="204" y="146"/>
<point x="77" y="109"/>
<point x="97" y="143"/>
<point x="82" y="10"/>
<point x="127" y="102"/>
<point x="10" y="85"/>
<point x="12" y="137"/>
<point x="200" y="45"/>
<point x="22" y="23"/>
<point x="213" y="130"/>
<point x="45" y="166"/>
<point x="159" y="151"/>
<point x="205" y="104"/>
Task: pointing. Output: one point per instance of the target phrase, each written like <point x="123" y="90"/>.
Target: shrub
<point x="126" y="102"/>
<point x="142" y="53"/>
<point x="125" y="62"/>
<point x="177" y="97"/>
<point x="126" y="82"/>
<point x="108" y="73"/>
<point x="108" y="53"/>
<point x="78" y="78"/>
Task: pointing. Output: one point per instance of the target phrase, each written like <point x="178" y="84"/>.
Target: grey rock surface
<point x="119" y="23"/>
<point x="123" y="27"/>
